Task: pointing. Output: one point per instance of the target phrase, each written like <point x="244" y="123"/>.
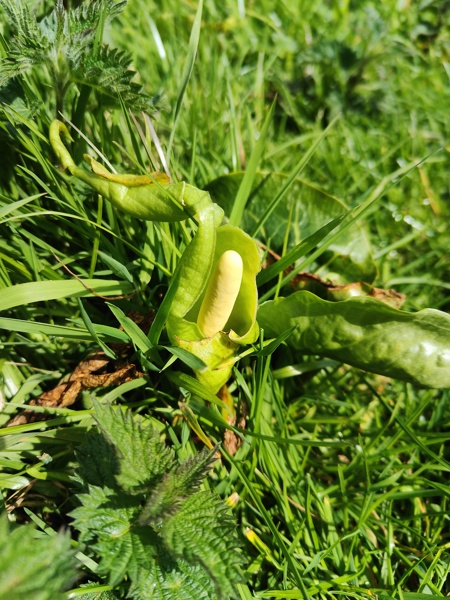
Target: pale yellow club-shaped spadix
<point x="220" y="297"/>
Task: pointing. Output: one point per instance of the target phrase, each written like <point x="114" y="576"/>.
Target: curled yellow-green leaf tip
<point x="150" y="197"/>
<point x="56" y="129"/>
<point x="221" y="294"/>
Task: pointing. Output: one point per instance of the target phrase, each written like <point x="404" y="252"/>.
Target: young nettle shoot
<point x="221" y="294"/>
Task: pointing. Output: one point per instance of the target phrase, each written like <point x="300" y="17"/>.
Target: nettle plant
<point x="157" y="532"/>
<point x="67" y="46"/>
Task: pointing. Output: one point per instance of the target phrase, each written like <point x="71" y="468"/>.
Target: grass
<point x="342" y="476"/>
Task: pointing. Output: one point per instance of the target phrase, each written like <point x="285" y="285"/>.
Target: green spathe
<point x="194" y="271"/>
<point x="367" y="334"/>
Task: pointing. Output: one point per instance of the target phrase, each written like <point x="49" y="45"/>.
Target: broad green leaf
<point x="170" y="579"/>
<point x="188" y="533"/>
<point x="168" y="534"/>
<point x="367" y="334"/>
<point x="105" y="518"/>
<point x="183" y="480"/>
<point x="348" y="259"/>
<point x="38" y="291"/>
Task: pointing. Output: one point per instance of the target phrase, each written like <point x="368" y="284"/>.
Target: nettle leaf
<point x="168" y="495"/>
<point x="109" y="72"/>
<point x="169" y="541"/>
<point x="367" y="334"/>
<point x="143" y="458"/>
<point x="105" y="518"/>
<point x="34" y="565"/>
<point x="98" y="461"/>
<point x="64" y="42"/>
<point x="202" y="531"/>
<point x="173" y="580"/>
<point x="96" y="595"/>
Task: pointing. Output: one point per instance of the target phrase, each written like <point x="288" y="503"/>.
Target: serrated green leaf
<point x="143" y="458"/>
<point x="183" y="480"/>
<point x="98" y="462"/>
<point x="105" y="519"/>
<point x="173" y="580"/>
<point x="182" y="544"/>
<point x="192" y="532"/>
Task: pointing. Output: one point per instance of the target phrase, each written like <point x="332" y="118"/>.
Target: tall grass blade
<point x="187" y="71"/>
<point x="250" y="172"/>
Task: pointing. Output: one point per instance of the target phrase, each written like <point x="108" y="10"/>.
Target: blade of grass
<point x="246" y="186"/>
<point x="292" y="177"/>
<point x="269" y="522"/>
<point x="90" y="327"/>
<point x="187" y="71"/>
<point x="38" y="291"/>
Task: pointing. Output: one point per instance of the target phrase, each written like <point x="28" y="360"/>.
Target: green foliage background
<point x="342" y="476"/>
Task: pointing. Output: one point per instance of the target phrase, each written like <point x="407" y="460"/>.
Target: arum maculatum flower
<point x="214" y="308"/>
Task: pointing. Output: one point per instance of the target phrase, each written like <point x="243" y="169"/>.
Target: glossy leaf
<point x="367" y="334"/>
<point x="348" y="259"/>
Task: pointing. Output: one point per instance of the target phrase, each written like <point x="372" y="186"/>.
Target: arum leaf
<point x="348" y="259"/>
<point x="367" y="334"/>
